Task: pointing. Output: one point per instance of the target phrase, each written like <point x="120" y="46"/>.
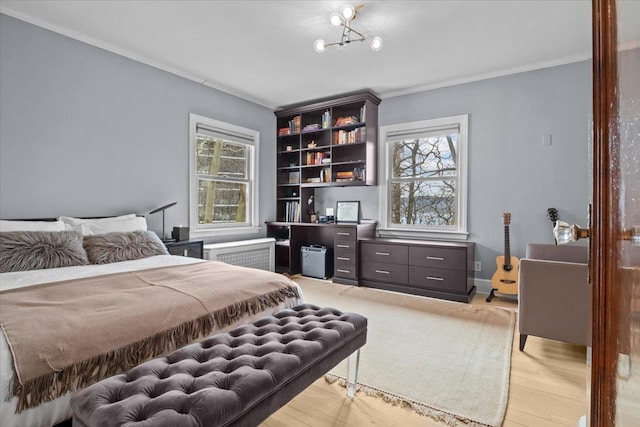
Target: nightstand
<point x="190" y="248"/>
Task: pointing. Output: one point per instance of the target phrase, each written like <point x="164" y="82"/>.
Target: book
<point x="311" y="127"/>
<point x="345" y="121"/>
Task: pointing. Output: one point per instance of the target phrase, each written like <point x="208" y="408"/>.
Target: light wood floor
<point x="547" y="388"/>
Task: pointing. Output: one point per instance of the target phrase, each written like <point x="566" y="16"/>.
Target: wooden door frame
<point x="605" y="224"/>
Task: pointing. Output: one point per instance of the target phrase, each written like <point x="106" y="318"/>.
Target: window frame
<point x="252" y="224"/>
<point x="457" y="232"/>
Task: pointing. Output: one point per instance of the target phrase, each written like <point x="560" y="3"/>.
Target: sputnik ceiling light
<point x="349" y="35"/>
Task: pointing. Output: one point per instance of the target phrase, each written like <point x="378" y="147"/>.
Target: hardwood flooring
<point x="547" y="389"/>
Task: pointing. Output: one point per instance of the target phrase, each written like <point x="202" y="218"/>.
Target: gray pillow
<point x="115" y="247"/>
<point x="37" y="250"/>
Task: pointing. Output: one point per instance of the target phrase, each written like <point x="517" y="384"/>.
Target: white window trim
<point x="254" y="212"/>
<point x="457" y="233"/>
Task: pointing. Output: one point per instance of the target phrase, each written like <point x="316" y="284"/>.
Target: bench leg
<point x="352" y="373"/>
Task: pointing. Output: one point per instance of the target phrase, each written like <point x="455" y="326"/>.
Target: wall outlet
<point x="477" y="266"/>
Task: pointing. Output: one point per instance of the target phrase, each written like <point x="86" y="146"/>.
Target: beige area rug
<point x="449" y="361"/>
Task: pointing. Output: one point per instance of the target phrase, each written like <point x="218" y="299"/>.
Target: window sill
<point x="214" y="232"/>
<point x="423" y="234"/>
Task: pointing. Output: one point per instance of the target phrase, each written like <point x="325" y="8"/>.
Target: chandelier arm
<point x="362" y="37"/>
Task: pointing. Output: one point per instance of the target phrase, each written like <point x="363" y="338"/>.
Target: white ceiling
<point x="263" y="50"/>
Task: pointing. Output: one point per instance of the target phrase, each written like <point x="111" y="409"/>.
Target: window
<point x="223" y="184"/>
<point x="425" y="175"/>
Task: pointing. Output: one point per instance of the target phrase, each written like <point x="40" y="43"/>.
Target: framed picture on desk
<point x="348" y="212"/>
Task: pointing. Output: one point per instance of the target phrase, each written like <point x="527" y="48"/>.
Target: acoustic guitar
<point x="505" y="279"/>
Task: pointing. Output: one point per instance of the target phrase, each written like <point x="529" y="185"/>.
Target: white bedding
<point x="50" y="413"/>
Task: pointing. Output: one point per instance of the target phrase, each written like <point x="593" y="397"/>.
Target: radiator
<point x="256" y="253"/>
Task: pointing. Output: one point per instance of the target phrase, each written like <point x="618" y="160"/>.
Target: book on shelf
<point x="349" y="137"/>
<point x="294" y="177"/>
<point x="349" y="175"/>
<point x="292" y="212"/>
<point x="311" y="127"/>
<point x="326" y="119"/>
<point x="284" y="131"/>
<point x="294" y="125"/>
<point x="316" y="158"/>
<point x="345" y="121"/>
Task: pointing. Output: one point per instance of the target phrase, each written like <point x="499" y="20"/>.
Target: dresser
<point x="429" y="268"/>
<point x="292" y="236"/>
<point x="345" y="250"/>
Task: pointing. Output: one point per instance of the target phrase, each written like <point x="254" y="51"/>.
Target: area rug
<point x="449" y="361"/>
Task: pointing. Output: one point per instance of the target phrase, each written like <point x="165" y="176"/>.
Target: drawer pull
<point x="382" y="271"/>
<point x="339" y="233"/>
<point x="343" y="246"/>
<point x="439" y="279"/>
<point x="436" y="258"/>
<point x="343" y="271"/>
<point x="341" y="258"/>
<point x="383" y="253"/>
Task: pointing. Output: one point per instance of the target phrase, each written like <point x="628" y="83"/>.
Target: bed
<point x="53" y="285"/>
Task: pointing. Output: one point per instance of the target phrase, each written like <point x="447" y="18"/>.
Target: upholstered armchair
<point x="554" y="297"/>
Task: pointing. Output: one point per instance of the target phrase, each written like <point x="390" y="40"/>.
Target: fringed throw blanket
<point x="67" y="335"/>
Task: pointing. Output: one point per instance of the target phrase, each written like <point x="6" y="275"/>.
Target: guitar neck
<point x="507" y="249"/>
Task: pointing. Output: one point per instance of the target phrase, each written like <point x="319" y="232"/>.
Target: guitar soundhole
<point x="508" y="267"/>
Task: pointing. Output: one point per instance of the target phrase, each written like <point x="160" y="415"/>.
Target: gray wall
<point x="86" y="132"/>
<point x="509" y="168"/>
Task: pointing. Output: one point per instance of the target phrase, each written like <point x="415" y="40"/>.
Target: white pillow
<point x="6" y="225"/>
<point x="77" y="221"/>
<point x="93" y="226"/>
<point x="103" y="227"/>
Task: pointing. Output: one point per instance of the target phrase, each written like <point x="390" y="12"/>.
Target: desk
<point x="343" y="238"/>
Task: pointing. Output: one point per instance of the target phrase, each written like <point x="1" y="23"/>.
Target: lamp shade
<point x="335" y="19"/>
<point x="319" y="45"/>
<point x="348" y="12"/>
<point x="375" y="43"/>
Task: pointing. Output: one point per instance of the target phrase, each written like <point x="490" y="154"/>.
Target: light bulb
<point x="319" y="45"/>
<point x="335" y="19"/>
<point x="376" y="43"/>
<point x="348" y="12"/>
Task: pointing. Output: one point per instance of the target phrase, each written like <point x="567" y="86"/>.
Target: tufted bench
<point x="236" y="378"/>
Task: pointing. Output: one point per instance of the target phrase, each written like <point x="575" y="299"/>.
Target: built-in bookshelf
<point x="323" y="144"/>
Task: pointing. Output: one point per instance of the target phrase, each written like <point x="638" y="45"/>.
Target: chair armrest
<point x="554" y="300"/>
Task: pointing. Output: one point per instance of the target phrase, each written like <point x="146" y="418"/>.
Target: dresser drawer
<point x="346" y="270"/>
<point x="377" y="252"/>
<point x="345" y="246"/>
<point x="345" y="233"/>
<point x="438" y="278"/>
<point x="345" y="258"/>
<point x="384" y="272"/>
<point x="438" y="257"/>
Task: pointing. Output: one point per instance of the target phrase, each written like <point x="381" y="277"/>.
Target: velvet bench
<point x="236" y="378"/>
